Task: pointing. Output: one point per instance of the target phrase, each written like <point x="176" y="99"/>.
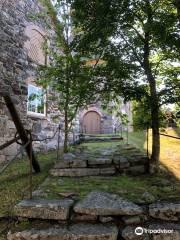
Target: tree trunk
<point x="155" y="122"/>
<point x="154" y="102"/>
<point x="66" y="132"/>
<point x="177" y="4"/>
<point x="154" y="118"/>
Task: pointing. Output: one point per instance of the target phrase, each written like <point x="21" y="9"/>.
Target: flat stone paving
<point x="105" y="204"/>
<point x="44" y="209"/>
<point x="73" y="232"/>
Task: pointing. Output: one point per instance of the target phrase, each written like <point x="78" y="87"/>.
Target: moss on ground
<point x="131" y="188"/>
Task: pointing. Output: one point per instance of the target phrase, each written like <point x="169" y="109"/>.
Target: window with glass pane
<point x="36" y="103"/>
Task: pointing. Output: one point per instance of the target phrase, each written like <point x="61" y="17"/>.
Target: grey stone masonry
<point x="73" y="232"/>
<point x="75" y="172"/>
<point x="44" y="209"/>
<point x="106" y="204"/>
<point x="101" y="163"/>
<point x="171" y="232"/>
<point x="17" y="70"/>
<point x="165" y="211"/>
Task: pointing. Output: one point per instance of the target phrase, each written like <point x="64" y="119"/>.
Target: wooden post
<point x="21" y="131"/>
<point x="30" y="168"/>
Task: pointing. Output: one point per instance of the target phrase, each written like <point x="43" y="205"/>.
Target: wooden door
<point x="92" y="123"/>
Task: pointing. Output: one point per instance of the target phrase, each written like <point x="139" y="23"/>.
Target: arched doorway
<point x="92" y="123"/>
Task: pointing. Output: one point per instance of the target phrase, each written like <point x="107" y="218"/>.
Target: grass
<point x="131" y="188"/>
<point x="14" y="182"/>
<point x="170" y="148"/>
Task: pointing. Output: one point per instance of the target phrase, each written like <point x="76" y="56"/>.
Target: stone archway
<point x="92" y="123"/>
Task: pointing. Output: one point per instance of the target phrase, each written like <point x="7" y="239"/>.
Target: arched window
<point x="34" y="44"/>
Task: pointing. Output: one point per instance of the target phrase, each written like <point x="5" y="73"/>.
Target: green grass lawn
<point x="14" y="182"/>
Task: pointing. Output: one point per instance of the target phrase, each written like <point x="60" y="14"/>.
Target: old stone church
<point x="21" y="39"/>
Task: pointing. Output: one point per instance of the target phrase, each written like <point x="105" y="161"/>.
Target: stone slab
<point x="75" y="163"/>
<point x="44" y="209"/>
<point x="128" y="233"/>
<point x="83" y="218"/>
<point x="62" y="164"/>
<point x="107" y="171"/>
<point x="129" y="220"/>
<point x="106" y="204"/>
<point x="135" y="170"/>
<point x="165" y="211"/>
<point x="78" y="163"/>
<point x="75" y="172"/>
<point x="99" y="161"/>
<point x="117" y="159"/>
<point x="73" y="232"/>
<point x="172" y="231"/>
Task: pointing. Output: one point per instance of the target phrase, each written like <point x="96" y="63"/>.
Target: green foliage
<point x="139" y="40"/>
<point x="141" y="115"/>
<point x="120" y="40"/>
<point x="67" y="74"/>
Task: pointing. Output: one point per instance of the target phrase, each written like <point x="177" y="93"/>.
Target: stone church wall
<point x="15" y="68"/>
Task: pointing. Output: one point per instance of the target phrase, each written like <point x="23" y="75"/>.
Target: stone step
<point x="73" y="232"/>
<point x="99" y="161"/>
<point x="82" y="172"/>
<point x="165" y="211"/>
<point x="106" y="204"/>
<point x="44" y="209"/>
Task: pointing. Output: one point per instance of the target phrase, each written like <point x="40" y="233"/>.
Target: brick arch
<point x="34" y="44"/>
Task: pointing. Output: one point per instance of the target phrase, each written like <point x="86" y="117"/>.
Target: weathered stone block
<point x="99" y="161"/>
<point x="172" y="231"/>
<point x="75" y="172"/>
<point x="106" y="204"/>
<point x="129" y="220"/>
<point x="62" y="164"/>
<point x="105" y="219"/>
<point x="128" y="233"/>
<point x="2" y="158"/>
<point x="44" y="209"/>
<point x="107" y="171"/>
<point x="165" y="211"/>
<point x="74" y="232"/>
<point x="78" y="163"/>
<point x="135" y="170"/>
<point x="83" y="217"/>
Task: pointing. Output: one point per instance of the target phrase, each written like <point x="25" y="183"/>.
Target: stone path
<point x="99" y="215"/>
<point x="126" y="159"/>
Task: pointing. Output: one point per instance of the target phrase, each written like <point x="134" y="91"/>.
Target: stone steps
<point x="73" y="232"/>
<point x="126" y="159"/>
<point x="44" y="209"/>
<point x="99" y="216"/>
<point x="82" y="172"/>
